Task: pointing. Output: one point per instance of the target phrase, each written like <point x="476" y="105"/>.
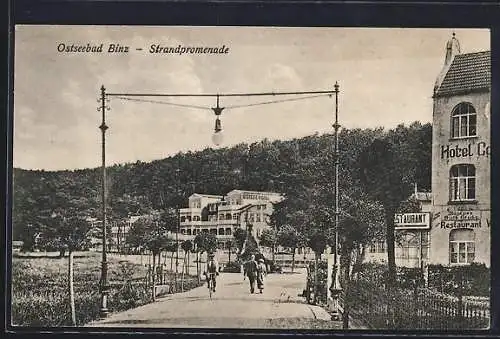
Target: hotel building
<point x="460" y="229"/>
<point x="459" y="207"/>
<point x="221" y="215"/>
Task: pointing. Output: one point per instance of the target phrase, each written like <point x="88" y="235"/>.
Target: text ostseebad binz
<point x="89" y="48"/>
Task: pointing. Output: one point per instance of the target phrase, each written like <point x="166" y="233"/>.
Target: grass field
<point x="40" y="294"/>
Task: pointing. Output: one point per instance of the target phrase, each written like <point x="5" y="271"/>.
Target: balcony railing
<point x="190" y="210"/>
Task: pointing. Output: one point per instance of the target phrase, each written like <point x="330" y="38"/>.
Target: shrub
<point x="409" y="277"/>
<point x="473" y="279"/>
<point x="322" y="281"/>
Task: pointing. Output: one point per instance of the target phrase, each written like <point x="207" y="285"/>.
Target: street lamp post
<point x="104" y="265"/>
<point x="177" y="246"/>
<point x="335" y="288"/>
<point x="178" y="226"/>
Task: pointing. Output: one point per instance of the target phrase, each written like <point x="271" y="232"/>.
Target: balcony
<point x="199" y="223"/>
<point x="189" y="211"/>
<point x="228" y="222"/>
<point x="229" y="207"/>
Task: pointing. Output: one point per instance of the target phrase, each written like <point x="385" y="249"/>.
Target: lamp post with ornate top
<point x="103" y="286"/>
<point x="335" y="288"/>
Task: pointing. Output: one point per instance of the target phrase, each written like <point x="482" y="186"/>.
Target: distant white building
<point x="221" y="215"/>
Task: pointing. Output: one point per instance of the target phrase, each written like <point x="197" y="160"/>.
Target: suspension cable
<point x="227" y="107"/>
<point x="331" y="92"/>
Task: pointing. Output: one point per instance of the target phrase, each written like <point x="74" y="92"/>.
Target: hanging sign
<point x="409" y="221"/>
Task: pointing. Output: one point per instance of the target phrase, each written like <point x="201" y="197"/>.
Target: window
<point x="462" y="249"/>
<point x="463" y="121"/>
<point x="462" y="182"/>
<point x="257" y="217"/>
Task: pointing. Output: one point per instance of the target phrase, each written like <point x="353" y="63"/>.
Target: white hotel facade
<point x="221" y="215"/>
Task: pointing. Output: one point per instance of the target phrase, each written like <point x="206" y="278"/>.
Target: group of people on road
<point x="255" y="270"/>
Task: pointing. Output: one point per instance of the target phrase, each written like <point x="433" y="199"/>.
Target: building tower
<point x="460" y="230"/>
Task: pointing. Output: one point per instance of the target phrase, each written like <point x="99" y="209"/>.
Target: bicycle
<point x="211" y="289"/>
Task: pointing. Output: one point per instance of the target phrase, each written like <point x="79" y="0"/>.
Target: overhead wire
<point x="226" y="107"/>
<point x="163" y="103"/>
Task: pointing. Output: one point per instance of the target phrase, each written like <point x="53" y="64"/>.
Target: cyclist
<point x="212" y="270"/>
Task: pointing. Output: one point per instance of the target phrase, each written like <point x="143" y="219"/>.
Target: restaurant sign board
<point x="412" y="221"/>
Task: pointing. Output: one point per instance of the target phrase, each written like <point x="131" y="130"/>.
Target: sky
<point x="386" y="77"/>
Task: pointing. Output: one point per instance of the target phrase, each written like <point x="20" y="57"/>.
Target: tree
<point x="186" y="246"/>
<point x="383" y="180"/>
<point x="72" y="235"/>
<point x="361" y="222"/>
<point x="317" y="242"/>
<point x="206" y="242"/>
<point x="239" y="236"/>
<point x="231" y="246"/>
<point x="390" y="166"/>
<point x="289" y="237"/>
<point x="171" y="247"/>
<point x="149" y="233"/>
<point x="250" y="246"/>
<point x="268" y="238"/>
<point x="196" y="251"/>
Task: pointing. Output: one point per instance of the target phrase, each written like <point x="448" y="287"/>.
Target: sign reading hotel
<point x="408" y="221"/>
<point x="480" y="149"/>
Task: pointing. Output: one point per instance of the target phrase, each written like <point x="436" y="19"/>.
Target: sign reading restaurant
<point x="461" y="219"/>
<point x="412" y="221"/>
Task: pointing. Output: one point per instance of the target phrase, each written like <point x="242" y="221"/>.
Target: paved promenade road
<point x="232" y="306"/>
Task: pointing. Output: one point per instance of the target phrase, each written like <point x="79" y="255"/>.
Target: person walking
<point x="250" y="271"/>
<point x="261" y="272"/>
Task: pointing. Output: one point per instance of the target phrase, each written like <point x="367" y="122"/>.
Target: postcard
<point x="190" y="177"/>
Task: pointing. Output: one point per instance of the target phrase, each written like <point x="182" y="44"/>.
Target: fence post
<point x="416" y="324"/>
<point x="460" y="318"/>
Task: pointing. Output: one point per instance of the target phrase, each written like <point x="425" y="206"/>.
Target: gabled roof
<point x="467" y="73"/>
